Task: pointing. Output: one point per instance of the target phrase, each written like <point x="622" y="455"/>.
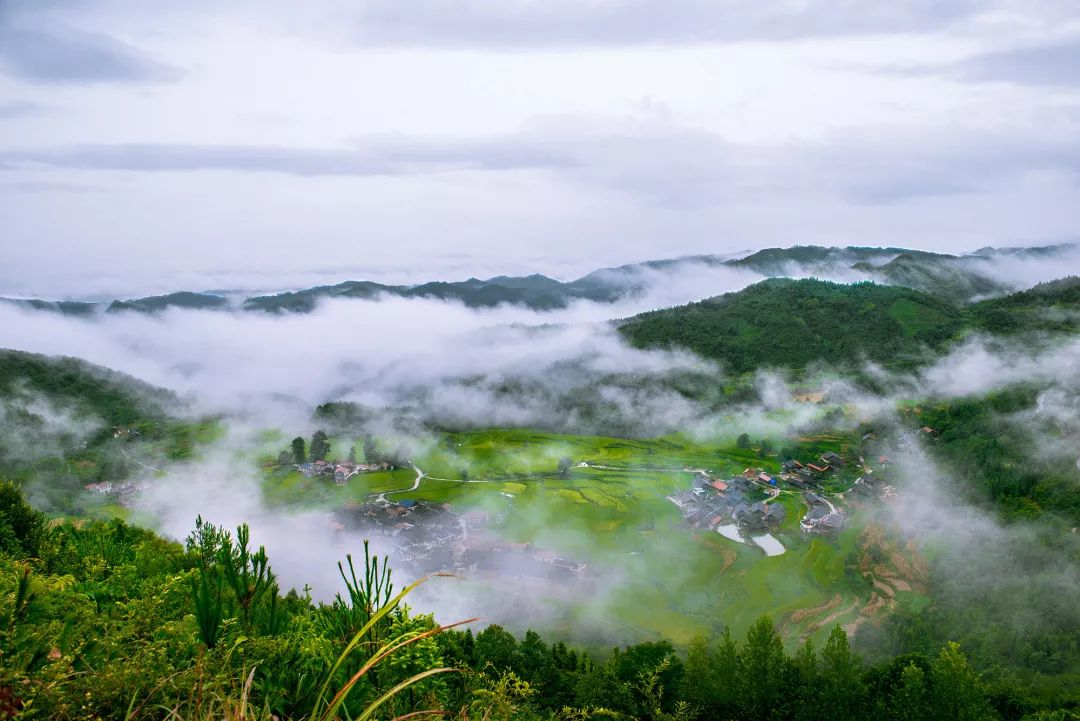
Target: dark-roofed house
<point x="750" y="518"/>
<point x="832" y="459"/>
<point x="832" y="522"/>
<point x="775" y="515"/>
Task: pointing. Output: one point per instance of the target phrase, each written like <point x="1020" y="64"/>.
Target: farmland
<point x="647" y="569"/>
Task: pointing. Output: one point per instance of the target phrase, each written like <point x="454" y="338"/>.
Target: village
<point x="736" y="509"/>
<point x="341" y="472"/>
<point x="431" y="537"/>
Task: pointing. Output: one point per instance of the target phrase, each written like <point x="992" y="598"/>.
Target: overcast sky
<point x="208" y="142"/>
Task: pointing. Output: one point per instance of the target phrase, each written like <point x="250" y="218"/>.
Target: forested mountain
<point x="66" y="422"/>
<point x="151" y="304"/>
<point x="792" y="323"/>
<point x="946" y="277"/>
<point x="958" y="279"/>
<point x="1048" y="307"/>
<point x="115" y="398"/>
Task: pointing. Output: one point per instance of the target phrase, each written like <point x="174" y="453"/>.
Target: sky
<point x="213" y="144"/>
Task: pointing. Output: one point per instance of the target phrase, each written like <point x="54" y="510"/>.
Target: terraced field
<point x="650" y="572"/>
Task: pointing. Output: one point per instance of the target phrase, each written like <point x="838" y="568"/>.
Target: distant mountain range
<point x="957" y="279"/>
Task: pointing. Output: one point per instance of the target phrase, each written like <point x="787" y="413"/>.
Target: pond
<point x="770" y="545"/>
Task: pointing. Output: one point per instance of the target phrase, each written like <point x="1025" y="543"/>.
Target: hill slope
<point x="1052" y="307"/>
<point x="791" y="323"/>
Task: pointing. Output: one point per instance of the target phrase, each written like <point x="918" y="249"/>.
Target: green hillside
<point x="66" y="423"/>
<point x="157" y="303"/>
<point x="1048" y="307"/>
<point x="941" y="276"/>
<point x="792" y="323"/>
<point x="113" y="397"/>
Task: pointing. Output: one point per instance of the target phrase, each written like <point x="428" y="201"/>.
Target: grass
<point x="672" y="582"/>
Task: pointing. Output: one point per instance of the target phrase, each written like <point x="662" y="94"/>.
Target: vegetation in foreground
<point x="103" y="620"/>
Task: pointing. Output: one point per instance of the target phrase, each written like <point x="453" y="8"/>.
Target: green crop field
<point x="650" y="572"/>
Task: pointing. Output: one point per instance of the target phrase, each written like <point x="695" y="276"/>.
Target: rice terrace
<point x="613" y="506"/>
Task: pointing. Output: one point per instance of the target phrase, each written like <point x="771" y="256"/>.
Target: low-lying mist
<point x="422" y="365"/>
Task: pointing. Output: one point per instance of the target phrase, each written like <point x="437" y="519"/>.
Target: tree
<point x="804" y="698"/>
<point x="564" y="467"/>
<point x="743" y="441"/>
<point x="762" y="662"/>
<point x="370" y="452"/>
<point x="284" y="458"/>
<point x="957" y="691"/>
<point x="298" y="450"/>
<point x="320" y="446"/>
<point x="707" y="683"/>
<point x="21" y="526"/>
<point x="351" y="458"/>
<point x="912" y="698"/>
<point x="842" y="689"/>
<point x="498" y="647"/>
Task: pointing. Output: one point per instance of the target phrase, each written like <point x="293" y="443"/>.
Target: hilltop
<point x="957" y="279"/>
<point x="792" y="323"/>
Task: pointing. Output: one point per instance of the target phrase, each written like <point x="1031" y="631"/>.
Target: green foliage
<point x="320" y="446"/>
<point x="793" y="323"/>
<point x="105" y="622"/>
<point x="21" y="526"/>
<point x="298" y="450"/>
<point x="1052" y="307"/>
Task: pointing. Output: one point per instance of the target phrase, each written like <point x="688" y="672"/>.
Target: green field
<point x="649" y="571"/>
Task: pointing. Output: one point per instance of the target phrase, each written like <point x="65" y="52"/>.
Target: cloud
<point x="19" y="109"/>
<point x="1053" y="64"/>
<point x="448" y="361"/>
<point x="379" y="156"/>
<point x="513" y="24"/>
<point x="674" y="167"/>
<point x="65" y="55"/>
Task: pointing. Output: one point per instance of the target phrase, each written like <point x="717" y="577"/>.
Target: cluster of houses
<point x="431" y="537"/>
<point x="711" y="503"/>
<point x="823" y="516"/>
<point x="799" y="473"/>
<point x="122" y="489"/>
<point x="521" y="561"/>
<point x="341" y="472"/>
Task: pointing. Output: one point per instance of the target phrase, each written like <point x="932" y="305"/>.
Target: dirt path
<point x="136" y="461"/>
<point x="416" y="484"/>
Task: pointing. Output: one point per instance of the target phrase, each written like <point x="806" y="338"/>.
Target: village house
<point x="822" y="517"/>
<point x="832" y="459"/>
<point x="758" y="517"/>
<point x="342" y="472"/>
